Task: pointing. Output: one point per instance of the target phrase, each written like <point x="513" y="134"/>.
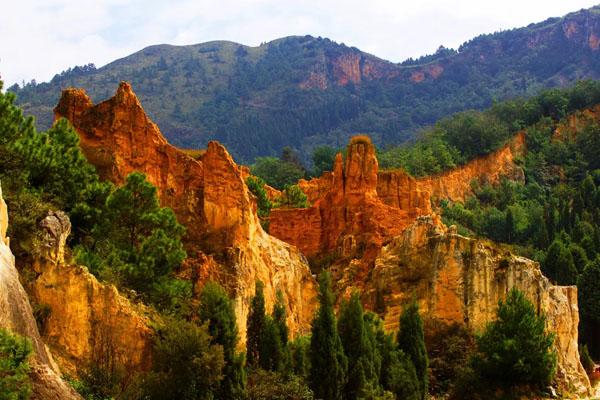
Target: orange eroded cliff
<point x="208" y="194"/>
<point x="456" y="183"/>
<point x="348" y="216"/>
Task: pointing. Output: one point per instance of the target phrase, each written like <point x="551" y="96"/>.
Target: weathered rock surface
<point x="460" y="280"/>
<point x="16" y="315"/>
<point x="87" y="319"/>
<point x="348" y="216"/>
<point x="209" y="195"/>
<point x="456" y="183"/>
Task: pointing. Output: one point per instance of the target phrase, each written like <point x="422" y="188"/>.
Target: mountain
<point x="303" y="91"/>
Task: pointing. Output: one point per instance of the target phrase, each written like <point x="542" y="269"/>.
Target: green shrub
<point x="14" y="366"/>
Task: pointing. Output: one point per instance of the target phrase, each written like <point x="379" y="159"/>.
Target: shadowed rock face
<point x="460" y="280"/>
<point x="16" y="315"/>
<point x="208" y="195"/>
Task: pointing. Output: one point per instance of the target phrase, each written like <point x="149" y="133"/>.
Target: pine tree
<point x="216" y="309"/>
<point x="589" y="305"/>
<point x="357" y="347"/>
<point x="558" y="265"/>
<point x="411" y="341"/>
<point x="329" y="365"/>
<point x="280" y="319"/>
<point x="515" y="349"/>
<point x="255" y="325"/>
<point x="271" y="354"/>
<point x="397" y="374"/>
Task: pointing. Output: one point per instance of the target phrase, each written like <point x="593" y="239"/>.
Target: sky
<point x="39" y="38"/>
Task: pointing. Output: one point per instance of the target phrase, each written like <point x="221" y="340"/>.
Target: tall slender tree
<point x="255" y="325"/>
<point x="358" y="349"/>
<point x="216" y="309"/>
<point x="411" y="341"/>
<point x="328" y="363"/>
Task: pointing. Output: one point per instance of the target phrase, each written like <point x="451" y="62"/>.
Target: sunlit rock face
<point x="87" y="319"/>
<point x="16" y="315"/>
<point x="208" y="195"/>
<point x="348" y="216"/>
<point x="460" y="280"/>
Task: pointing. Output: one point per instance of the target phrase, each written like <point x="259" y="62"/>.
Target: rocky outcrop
<point x="16" y="315"/>
<point x="208" y="194"/>
<point x="460" y="280"/>
<point x="456" y="183"/>
<point x="358" y="187"/>
<point x="87" y="322"/>
<point x="348" y="216"/>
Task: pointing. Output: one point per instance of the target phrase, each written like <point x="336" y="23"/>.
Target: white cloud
<point x="39" y="38"/>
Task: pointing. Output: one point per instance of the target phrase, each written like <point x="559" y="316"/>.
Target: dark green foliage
<point x="397" y="373"/>
<point x="264" y="205"/>
<point x="292" y="197"/>
<point x="589" y="305"/>
<point x="329" y="365"/>
<point x="300" y="356"/>
<point x="185" y="363"/>
<point x="14" y="366"/>
<point x="515" y="349"/>
<point x="276" y="172"/>
<point x="268" y="385"/>
<point x="216" y="310"/>
<point x="558" y="265"/>
<point x="138" y="241"/>
<point x="272" y="350"/>
<point x="411" y="341"/>
<point x="322" y="159"/>
<point x="255" y="326"/>
<point x="358" y="347"/>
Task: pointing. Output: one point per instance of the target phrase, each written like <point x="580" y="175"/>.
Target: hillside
<point x="304" y="91"/>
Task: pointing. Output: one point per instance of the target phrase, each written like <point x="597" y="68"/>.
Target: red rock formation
<point x="348" y="216"/>
<point x="208" y="194"/>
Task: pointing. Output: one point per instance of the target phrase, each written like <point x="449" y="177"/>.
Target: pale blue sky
<point x="39" y="38"/>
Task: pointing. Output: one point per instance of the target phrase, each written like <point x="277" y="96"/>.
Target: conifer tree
<point x="411" y="341"/>
<point x="216" y="309"/>
<point x="328" y="363"/>
<point x="357" y="347"/>
<point x="515" y="349"/>
<point x="271" y="354"/>
<point x="280" y="319"/>
<point x="558" y="265"/>
<point x="589" y="305"/>
<point x="255" y="325"/>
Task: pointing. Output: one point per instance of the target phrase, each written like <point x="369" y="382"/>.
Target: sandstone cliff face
<point x="456" y="183"/>
<point x="208" y="194"/>
<point x="16" y="315"/>
<point x="87" y="319"/>
<point x="460" y="280"/>
<point x="348" y="215"/>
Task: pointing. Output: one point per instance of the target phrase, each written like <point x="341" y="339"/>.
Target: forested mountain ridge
<point x="304" y="91"/>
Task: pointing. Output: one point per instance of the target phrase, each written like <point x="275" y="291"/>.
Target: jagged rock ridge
<point x="208" y="195"/>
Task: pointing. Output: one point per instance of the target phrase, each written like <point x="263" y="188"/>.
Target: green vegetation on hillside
<point x="255" y="100"/>
<point x="14" y="366"/>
